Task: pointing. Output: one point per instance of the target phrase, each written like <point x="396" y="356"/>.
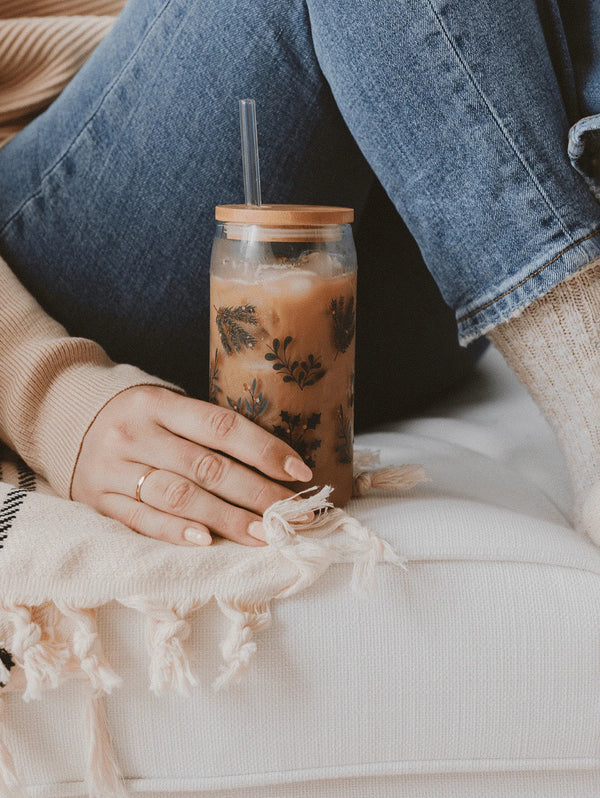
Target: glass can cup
<point x="282" y="330"/>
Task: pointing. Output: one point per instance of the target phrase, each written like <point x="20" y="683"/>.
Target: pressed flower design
<point x="302" y="372"/>
<point x="296" y="430"/>
<point x="252" y="406"/>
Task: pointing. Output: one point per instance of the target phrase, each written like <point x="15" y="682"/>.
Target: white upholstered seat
<point x="475" y="673"/>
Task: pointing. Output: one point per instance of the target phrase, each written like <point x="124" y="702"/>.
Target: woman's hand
<point x="186" y="447"/>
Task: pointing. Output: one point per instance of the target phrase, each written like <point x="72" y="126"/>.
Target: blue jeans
<point x="461" y="109"/>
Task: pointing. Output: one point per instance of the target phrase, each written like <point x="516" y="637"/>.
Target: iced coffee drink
<point x="283" y="321"/>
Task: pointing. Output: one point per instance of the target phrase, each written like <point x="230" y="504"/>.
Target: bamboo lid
<point x="284" y="215"/>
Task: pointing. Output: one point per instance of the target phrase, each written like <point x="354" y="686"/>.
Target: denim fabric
<point x="107" y="199"/>
<point x="462" y="110"/>
<point x="584" y="151"/>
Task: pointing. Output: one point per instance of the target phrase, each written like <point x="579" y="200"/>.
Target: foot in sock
<point x="554" y="348"/>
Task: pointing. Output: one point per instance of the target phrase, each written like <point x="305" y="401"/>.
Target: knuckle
<point x="159" y="399"/>
<point x="146" y="403"/>
<point x="125" y="432"/>
<point x="264" y="497"/>
<point x="141" y="398"/>
<point x="208" y="469"/>
<point x="178" y="495"/>
<point x="268" y="451"/>
<point x="113" y="438"/>
<point x="223" y="423"/>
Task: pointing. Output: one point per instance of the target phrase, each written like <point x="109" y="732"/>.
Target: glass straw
<point x="250" y="152"/>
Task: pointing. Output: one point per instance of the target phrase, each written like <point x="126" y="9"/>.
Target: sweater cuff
<point x="68" y="408"/>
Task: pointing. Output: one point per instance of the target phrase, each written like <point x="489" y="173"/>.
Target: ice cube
<point x="290" y="283"/>
<point x="320" y="263"/>
<point x="297" y="284"/>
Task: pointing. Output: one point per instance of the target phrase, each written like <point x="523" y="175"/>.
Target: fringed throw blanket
<point x="60" y="560"/>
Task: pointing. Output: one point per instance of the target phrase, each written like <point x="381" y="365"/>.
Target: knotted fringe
<point x="10" y="784"/>
<point x="43" y="661"/>
<point x="311" y="556"/>
<point x="103" y="775"/>
<point x="366" y="549"/>
<point x="166" y="629"/>
<point x="87" y="649"/>
<point x="391" y="478"/>
<point x="238" y="647"/>
<point x="363" y="459"/>
<point x="371" y="549"/>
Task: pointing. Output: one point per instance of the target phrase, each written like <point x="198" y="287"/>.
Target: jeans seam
<point x="499" y="123"/>
<point x="96" y="110"/>
<point x="529" y="276"/>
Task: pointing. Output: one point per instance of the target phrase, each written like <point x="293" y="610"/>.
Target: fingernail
<point x="197" y="537"/>
<point x="257" y="530"/>
<point x="297" y="469"/>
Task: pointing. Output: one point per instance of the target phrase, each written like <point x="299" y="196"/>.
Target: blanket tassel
<point x="370" y="548"/>
<point x="366" y="549"/>
<point x="10" y="784"/>
<point x="311" y="555"/>
<point x="390" y="478"/>
<point x="310" y="558"/>
<point x="103" y="775"/>
<point x="43" y="661"/>
<point x="166" y="630"/>
<point x="239" y="647"/>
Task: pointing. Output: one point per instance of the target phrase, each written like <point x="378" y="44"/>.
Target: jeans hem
<point x="474" y="323"/>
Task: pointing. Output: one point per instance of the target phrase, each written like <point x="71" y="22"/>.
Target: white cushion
<point x="477" y="672"/>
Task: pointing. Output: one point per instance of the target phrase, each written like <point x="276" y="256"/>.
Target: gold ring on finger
<point x="140" y="482"/>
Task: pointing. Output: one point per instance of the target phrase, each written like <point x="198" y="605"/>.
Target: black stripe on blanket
<point x="8" y="512"/>
<point x="25" y="476"/>
<point x="7" y="661"/>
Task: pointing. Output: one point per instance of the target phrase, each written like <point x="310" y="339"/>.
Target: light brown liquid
<point x="302" y="389"/>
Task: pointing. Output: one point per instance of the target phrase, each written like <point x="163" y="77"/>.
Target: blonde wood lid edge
<point x="284" y="215"/>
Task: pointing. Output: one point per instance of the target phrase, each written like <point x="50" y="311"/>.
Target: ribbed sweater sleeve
<point x="52" y="386"/>
<point x="43" y="44"/>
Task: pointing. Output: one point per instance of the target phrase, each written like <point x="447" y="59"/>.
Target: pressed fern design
<point x="344" y="322"/>
<point x="351" y="381"/>
<point x="293" y="430"/>
<point x="213" y="388"/>
<point x="252" y="407"/>
<point x="344" y="436"/>
<point x="302" y="372"/>
<point x="229" y="323"/>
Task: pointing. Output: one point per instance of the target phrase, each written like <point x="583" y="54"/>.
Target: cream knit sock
<point x="554" y="348"/>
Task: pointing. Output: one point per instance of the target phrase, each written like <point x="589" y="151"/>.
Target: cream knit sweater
<point x="52" y="386"/>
